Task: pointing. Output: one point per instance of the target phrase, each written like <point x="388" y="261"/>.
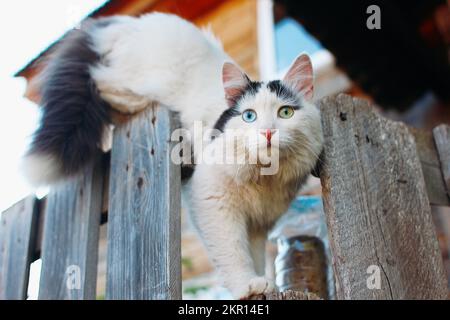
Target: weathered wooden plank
<point x="17" y="238"/>
<point x="42" y="204"/>
<point x="431" y="167"/>
<point x="377" y="209"/>
<point x="442" y="139"/>
<point x="70" y="238"/>
<point x="144" y="210"/>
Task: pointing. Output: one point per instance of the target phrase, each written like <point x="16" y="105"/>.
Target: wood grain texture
<point x="376" y="206"/>
<point x="17" y="241"/>
<point x="442" y="139"/>
<point x="144" y="251"/>
<point x="431" y="167"/>
<point x="70" y="237"/>
<point x="238" y="36"/>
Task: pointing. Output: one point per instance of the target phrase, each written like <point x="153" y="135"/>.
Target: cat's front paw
<point x="255" y="286"/>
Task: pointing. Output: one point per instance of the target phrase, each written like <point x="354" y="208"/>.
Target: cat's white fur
<point x="160" y="57"/>
<point x="234" y="206"/>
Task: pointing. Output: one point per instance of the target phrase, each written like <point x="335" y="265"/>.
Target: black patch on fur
<point x="317" y="171"/>
<point x="251" y="89"/>
<point x="225" y="117"/>
<point x="281" y="90"/>
<point x="187" y="170"/>
<point x="73" y="114"/>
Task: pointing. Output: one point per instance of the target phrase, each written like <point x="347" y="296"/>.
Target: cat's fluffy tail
<point x="74" y="117"/>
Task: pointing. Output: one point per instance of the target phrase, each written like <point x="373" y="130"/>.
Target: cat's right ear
<point x="235" y="81"/>
<point x="300" y="76"/>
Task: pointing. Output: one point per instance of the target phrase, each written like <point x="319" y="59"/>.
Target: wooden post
<point x="431" y="167"/>
<point x="17" y="240"/>
<point x="376" y="205"/>
<point x="70" y="239"/>
<point x="144" y="246"/>
<point x="442" y="140"/>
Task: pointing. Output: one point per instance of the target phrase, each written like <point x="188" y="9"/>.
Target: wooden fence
<point x="379" y="179"/>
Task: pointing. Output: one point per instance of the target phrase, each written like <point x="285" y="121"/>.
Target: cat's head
<point x="276" y="117"/>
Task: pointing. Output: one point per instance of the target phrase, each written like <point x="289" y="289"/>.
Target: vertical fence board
<point x="144" y="246"/>
<point x="442" y="139"/>
<point x="70" y="239"/>
<point x="431" y="167"/>
<point x="17" y="241"/>
<point x="377" y="209"/>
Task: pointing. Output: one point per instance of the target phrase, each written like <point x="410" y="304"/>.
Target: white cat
<point x="127" y="63"/>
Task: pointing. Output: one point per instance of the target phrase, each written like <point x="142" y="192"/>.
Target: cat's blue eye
<point x="249" y="115"/>
<point x="286" y="112"/>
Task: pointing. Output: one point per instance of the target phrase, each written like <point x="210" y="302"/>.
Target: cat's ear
<point x="300" y="76"/>
<point x="235" y="82"/>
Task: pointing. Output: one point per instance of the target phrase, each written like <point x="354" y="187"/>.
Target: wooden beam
<point x="144" y="246"/>
<point x="187" y="9"/>
<point x="70" y="238"/>
<point x="431" y="167"/>
<point x="377" y="209"/>
<point x="17" y="237"/>
<point x="442" y="139"/>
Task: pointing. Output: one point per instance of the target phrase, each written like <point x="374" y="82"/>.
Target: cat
<point x="124" y="64"/>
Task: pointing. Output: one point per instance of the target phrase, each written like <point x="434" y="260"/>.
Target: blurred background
<point x="403" y="68"/>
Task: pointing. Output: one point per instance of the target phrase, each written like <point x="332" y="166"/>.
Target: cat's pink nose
<point x="268" y="133"/>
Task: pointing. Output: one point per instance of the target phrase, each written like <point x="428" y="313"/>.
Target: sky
<point x="27" y="27"/>
<point x="291" y="39"/>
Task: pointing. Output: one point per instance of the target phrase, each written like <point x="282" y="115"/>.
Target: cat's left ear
<point x="235" y="81"/>
<point x="300" y="76"/>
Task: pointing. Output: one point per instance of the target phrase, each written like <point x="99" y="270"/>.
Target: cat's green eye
<point x="286" y="112"/>
<point x="249" y="115"/>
